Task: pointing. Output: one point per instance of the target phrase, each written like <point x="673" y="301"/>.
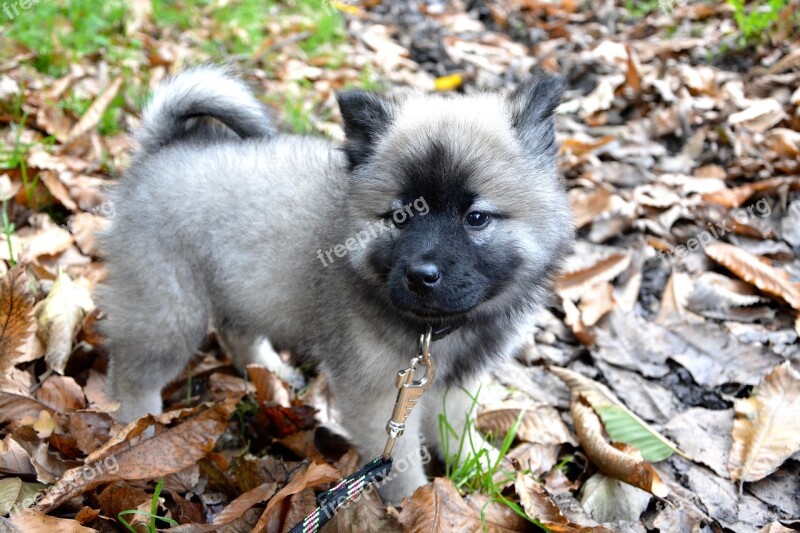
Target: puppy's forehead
<point x="450" y="143"/>
<point x="485" y="112"/>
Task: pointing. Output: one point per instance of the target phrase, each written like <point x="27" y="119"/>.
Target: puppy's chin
<point x="429" y="309"/>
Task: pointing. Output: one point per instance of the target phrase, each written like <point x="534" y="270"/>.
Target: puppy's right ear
<point x="366" y="117"/>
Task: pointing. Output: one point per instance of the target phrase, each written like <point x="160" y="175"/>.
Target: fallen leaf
<point x="16" y="317"/>
<point x="51" y="240"/>
<point x="752" y="270"/>
<point x="16" y="401"/>
<point x="627" y="466"/>
<point x="589" y="204"/>
<point x="61" y="394"/>
<point x="621" y="423"/>
<point x="596" y="303"/>
<point x="579" y="146"/>
<point x="14" y="460"/>
<point x="58" y="189"/>
<point x="538" y="504"/>
<point x="759" y="116"/>
<point x="573" y="284"/>
<point x="33" y="521"/>
<point x="539" y="424"/>
<point x="776" y="527"/>
<point x="609" y="500"/>
<point x="270" y="389"/>
<point x="765" y="430"/>
<point x="59" y="317"/>
<point x="572" y="318"/>
<point x="438" y="506"/>
<point x="121" y="496"/>
<point x="167" y="452"/>
<point x="95" y="111"/>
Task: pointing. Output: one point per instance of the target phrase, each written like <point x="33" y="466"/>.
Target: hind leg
<point x="247" y="349"/>
<point x="156" y="321"/>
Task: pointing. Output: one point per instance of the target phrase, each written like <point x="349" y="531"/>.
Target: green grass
<point x="8" y="229"/>
<point x="61" y="32"/>
<point x="638" y="9"/>
<point x="755" y="21"/>
<point x="153" y="514"/>
<point x="297" y="115"/>
<point x="470" y="467"/>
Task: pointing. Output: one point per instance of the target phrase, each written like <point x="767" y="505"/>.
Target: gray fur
<point x="227" y="231"/>
<point x="179" y="106"/>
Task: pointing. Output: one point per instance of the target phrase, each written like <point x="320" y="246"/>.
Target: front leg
<point x="364" y="415"/>
<point x="449" y="424"/>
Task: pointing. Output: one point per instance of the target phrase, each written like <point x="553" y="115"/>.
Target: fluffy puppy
<point x="440" y="211"/>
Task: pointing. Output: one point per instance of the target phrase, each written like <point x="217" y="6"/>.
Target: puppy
<point x="436" y="211"/>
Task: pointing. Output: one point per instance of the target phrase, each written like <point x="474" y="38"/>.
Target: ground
<point x="672" y="333"/>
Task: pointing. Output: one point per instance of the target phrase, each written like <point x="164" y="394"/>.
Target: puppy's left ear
<point x="533" y="104"/>
<point x="366" y="117"/>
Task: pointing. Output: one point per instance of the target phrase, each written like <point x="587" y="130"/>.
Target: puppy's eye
<point x="478" y="219"/>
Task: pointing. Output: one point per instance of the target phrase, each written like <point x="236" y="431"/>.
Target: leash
<point x="410" y="388"/>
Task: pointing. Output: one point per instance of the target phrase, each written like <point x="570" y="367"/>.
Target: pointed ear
<point x="533" y="104"/>
<point x="366" y="117"/>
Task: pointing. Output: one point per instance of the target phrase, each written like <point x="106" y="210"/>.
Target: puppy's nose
<point x="422" y="277"/>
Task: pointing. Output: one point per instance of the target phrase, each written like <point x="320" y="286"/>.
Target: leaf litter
<point x="675" y="327"/>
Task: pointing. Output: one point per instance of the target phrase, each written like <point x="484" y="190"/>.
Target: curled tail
<point x="179" y="104"/>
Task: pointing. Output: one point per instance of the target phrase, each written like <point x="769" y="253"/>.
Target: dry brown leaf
<point x="95" y="112"/>
<point x="760" y="116"/>
<point x="270" y="389"/>
<point x="50" y="241"/>
<point x="598" y="396"/>
<point x="58" y="189"/>
<point x="121" y="496"/>
<point x="33" y="521"/>
<point x="776" y="527"/>
<point x="588" y="204"/>
<point x="752" y="270"/>
<point x="596" y="303"/>
<point x="611" y="461"/>
<point x="573" y="284"/>
<point x="16" y="317"/>
<point x="84" y="228"/>
<point x="540" y="424"/>
<point x="233" y="510"/>
<point x="539" y="505"/>
<point x="632" y="77"/>
<point x="766" y="430"/>
<point x="14" y="460"/>
<point x="167" y="452"/>
<point x="572" y="317"/>
<point x="314" y="476"/>
<point x="674" y="298"/>
<point x="438" y="506"/>
<point x="579" y="147"/>
<point x="16" y="401"/>
<point x="60" y="316"/>
<point x="61" y="394"/>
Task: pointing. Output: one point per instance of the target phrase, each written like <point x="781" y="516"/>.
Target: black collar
<point x="442" y="331"/>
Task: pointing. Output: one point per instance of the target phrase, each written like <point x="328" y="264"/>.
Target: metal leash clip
<point x="410" y="390"/>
